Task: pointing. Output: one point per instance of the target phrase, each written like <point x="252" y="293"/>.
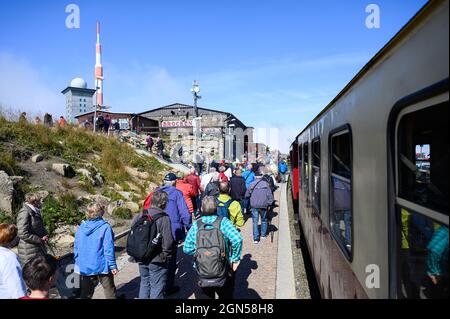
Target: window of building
<point x="422" y="201"/>
<point x="316" y="175"/>
<point x="341" y="215"/>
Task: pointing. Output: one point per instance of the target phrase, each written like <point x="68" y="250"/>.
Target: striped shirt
<point x="232" y="237"/>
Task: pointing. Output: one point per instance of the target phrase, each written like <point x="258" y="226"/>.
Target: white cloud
<point x="22" y="88"/>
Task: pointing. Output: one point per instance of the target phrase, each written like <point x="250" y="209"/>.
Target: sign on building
<point x="185" y="123"/>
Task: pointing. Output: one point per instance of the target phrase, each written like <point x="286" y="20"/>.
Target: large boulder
<point x="132" y="206"/>
<point x="63" y="169"/>
<point x="6" y="193"/>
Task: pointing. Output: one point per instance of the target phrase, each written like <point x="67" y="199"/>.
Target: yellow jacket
<point x="236" y="216"/>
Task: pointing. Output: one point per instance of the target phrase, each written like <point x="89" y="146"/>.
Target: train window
<point x="424" y="157"/>
<point x="305" y="169"/>
<point x="341" y="189"/>
<point x="422" y="202"/>
<point x="316" y="175"/>
<point x="300" y="165"/>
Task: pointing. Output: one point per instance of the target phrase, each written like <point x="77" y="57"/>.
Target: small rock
<point x="63" y="169"/>
<point x="132" y="206"/>
<point x="136" y="174"/>
<point x="133" y="187"/>
<point x="16" y="179"/>
<point x="37" y="158"/>
<point x="118" y="188"/>
<point x="126" y="195"/>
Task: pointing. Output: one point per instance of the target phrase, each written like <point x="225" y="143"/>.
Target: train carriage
<point x="373" y="179"/>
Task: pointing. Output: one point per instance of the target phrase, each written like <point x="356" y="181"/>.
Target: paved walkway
<point x="256" y="276"/>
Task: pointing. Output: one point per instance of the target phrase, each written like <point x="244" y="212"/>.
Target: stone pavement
<point x="255" y="278"/>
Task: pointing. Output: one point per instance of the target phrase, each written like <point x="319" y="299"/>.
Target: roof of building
<point x="176" y="106"/>
<point x="91" y="91"/>
<point x="108" y="112"/>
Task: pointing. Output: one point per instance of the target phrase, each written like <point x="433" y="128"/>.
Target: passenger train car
<point x="371" y="171"/>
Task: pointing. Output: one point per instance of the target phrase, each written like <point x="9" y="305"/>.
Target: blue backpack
<point x="223" y="208"/>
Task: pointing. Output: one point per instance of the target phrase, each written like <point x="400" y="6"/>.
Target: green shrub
<point x="122" y="213"/>
<point x="6" y="218"/>
<point x="8" y="163"/>
<point x="64" y="209"/>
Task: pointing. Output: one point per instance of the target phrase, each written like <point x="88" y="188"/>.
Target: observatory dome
<point x="78" y="83"/>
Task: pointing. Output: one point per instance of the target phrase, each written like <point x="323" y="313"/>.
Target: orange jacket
<point x="188" y="192"/>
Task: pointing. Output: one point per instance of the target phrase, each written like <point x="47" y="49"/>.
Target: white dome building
<point x="78" y="83"/>
<point x="79" y="99"/>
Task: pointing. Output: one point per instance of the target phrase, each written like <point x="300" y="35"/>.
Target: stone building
<point x="78" y="99"/>
<point x="221" y="134"/>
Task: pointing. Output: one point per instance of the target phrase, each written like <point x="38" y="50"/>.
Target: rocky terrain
<point x="70" y="168"/>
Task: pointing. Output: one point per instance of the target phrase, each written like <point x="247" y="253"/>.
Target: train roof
<point x="404" y="31"/>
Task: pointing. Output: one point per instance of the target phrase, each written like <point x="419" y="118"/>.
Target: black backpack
<point x="211" y="258"/>
<point x="212" y="189"/>
<point x="144" y="241"/>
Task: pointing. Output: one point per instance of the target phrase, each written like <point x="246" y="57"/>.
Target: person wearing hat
<point x="180" y="219"/>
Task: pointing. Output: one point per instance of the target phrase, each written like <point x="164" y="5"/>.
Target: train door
<point x="420" y="206"/>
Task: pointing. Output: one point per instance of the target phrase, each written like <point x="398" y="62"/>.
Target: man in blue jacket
<point x="249" y="177"/>
<point x="181" y="221"/>
<point x="282" y="169"/>
<point x="94" y="254"/>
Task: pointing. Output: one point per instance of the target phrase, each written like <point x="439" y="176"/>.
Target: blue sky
<point x="274" y="64"/>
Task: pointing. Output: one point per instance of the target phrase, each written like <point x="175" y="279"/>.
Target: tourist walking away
<point x="150" y="142"/>
<point x="153" y="228"/>
<point x="100" y="123"/>
<point x="107" y="123"/>
<point x="188" y="192"/>
<point x="268" y="177"/>
<point x="199" y="161"/>
<point x="48" y="121"/>
<point x="261" y="197"/>
<point x="62" y="121"/>
<point x="94" y="254"/>
<point x="228" y="207"/>
<point x="210" y="238"/>
<point x="40" y="274"/>
<point x="180" y="219"/>
<point x="160" y="147"/>
<point x="282" y="169"/>
<point x="12" y="285"/>
<point x="212" y="189"/>
<point x="223" y="177"/>
<point x="238" y="189"/>
<point x="207" y="178"/>
<point x="194" y="180"/>
<point x="31" y="230"/>
<point x="249" y="177"/>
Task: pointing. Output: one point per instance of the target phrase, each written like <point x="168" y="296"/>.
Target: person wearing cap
<point x="180" y="219"/>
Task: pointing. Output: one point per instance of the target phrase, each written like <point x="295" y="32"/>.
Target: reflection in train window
<point x="423" y="258"/>
<point x="316" y="175"/>
<point x="306" y="170"/>
<point x="422" y="203"/>
<point x="424" y="157"/>
<point x="341" y="189"/>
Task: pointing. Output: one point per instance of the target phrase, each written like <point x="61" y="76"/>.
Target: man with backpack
<point x="261" y="198"/>
<point x="150" y="142"/>
<point x="282" y="169"/>
<point x="151" y="244"/>
<point x="238" y="188"/>
<point x="180" y="220"/>
<point x="228" y="207"/>
<point x="249" y="177"/>
<point x="211" y="238"/>
<point x="212" y="188"/>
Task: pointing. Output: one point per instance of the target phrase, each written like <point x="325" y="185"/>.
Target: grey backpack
<point x="211" y="258"/>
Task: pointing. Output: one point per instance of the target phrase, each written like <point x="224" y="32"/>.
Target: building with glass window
<point x="79" y="99"/>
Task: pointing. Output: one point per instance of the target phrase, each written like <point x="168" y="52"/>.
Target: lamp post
<point x="196" y="123"/>
<point x="195" y="91"/>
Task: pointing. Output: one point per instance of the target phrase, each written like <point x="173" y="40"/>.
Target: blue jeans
<point x="264" y="225"/>
<point x="171" y="269"/>
<point x="283" y="177"/>
<point x="153" y="280"/>
<point x="245" y="202"/>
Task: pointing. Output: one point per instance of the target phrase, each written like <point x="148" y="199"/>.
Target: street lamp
<point x="195" y="91"/>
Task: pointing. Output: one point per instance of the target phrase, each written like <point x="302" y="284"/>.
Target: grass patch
<point x="122" y="213"/>
<point x="8" y="162"/>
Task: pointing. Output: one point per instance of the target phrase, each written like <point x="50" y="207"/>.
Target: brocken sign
<point x="176" y="123"/>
